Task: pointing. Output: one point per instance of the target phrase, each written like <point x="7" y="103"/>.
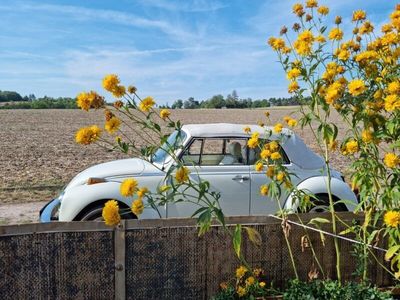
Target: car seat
<point x="233" y="155"/>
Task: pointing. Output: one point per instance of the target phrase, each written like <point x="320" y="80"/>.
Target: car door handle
<point x="240" y="178"/>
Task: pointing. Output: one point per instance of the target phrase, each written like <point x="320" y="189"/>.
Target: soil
<point x="38" y="154"/>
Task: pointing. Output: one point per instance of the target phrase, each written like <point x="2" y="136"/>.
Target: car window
<point x="215" y="151"/>
<point x="254" y="154"/>
<point x="173" y="142"/>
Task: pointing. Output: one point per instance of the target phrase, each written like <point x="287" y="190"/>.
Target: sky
<point x="167" y="49"/>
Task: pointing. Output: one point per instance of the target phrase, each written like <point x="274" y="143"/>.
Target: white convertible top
<point x="293" y="145"/>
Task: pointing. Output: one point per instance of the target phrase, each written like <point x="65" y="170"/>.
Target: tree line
<point x="231" y="101"/>
<point x="15" y="101"/>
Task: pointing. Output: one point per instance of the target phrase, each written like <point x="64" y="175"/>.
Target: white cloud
<point x="185" y="6"/>
<point x="117" y="17"/>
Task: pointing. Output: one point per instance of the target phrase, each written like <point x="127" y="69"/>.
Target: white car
<point x="218" y="153"/>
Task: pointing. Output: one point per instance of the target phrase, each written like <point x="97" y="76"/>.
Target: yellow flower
<point x="323" y="10"/>
<point x="320" y="39"/>
<point x="336" y="34"/>
<point x="387" y="28"/>
<point x="118" y="91"/>
<point x="164" y="114"/>
<point x="83" y="101"/>
<point x="392" y="102"/>
<point x="252" y="142"/>
<point x="128" y="187"/>
<point x="146" y="104"/>
<point x="264" y="190"/>
<point x="110" y="82"/>
<point x="333" y="92"/>
<point x="394" y="87"/>
<point x="241" y="291"/>
<point x="359" y="15"/>
<point x="278" y="128"/>
<point x="280" y="176"/>
<point x="366" y="27"/>
<point x="293" y="74"/>
<point x="306" y="36"/>
<point x="142" y="191"/>
<point x="273" y="146"/>
<point x="351" y="147"/>
<point x="292" y="122"/>
<point x="241" y="271"/>
<point x="391" y="160"/>
<point x="250" y="281"/>
<point x="182" y="174"/>
<point x="137" y="207"/>
<point x="298" y="9"/>
<point x="87" y="135"/>
<point x="262" y="284"/>
<point x="302" y="48"/>
<point x="366" y="136"/>
<point x="112" y="125"/>
<point x="270" y="171"/>
<point x="392" y="218"/>
<point x="275" y="156"/>
<point x="293" y="86"/>
<point x="259" y="166"/>
<point x="247" y="129"/>
<point x="311" y="3"/>
<point x="356" y="87"/>
<point x="277" y="43"/>
<point x="267" y="114"/>
<point x="344" y="55"/>
<point x="265" y="154"/>
<point x="110" y="213"/>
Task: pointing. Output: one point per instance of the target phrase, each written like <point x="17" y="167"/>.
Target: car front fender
<point x="317" y="185"/>
<point x="79" y="197"/>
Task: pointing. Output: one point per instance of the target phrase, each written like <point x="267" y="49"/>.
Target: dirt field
<point x="38" y="154"/>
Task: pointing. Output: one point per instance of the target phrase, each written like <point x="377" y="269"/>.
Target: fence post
<point x="119" y="254"/>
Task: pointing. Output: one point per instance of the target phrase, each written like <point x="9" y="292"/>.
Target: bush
<point x="329" y="289"/>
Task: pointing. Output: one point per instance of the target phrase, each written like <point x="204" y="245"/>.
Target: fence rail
<point x="155" y="259"/>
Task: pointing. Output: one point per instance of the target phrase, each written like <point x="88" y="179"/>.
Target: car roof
<point x="293" y="145"/>
<point x="229" y="129"/>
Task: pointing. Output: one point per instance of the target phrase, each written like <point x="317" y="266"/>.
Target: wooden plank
<point x="119" y="252"/>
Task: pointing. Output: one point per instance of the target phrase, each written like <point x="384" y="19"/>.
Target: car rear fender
<point x="317" y="185"/>
<point x="79" y="197"/>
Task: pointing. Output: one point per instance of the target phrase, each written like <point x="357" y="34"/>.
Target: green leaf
<point x="317" y="221"/>
<point x="391" y="251"/>
<point x="254" y="236"/>
<point x="346" y="231"/>
<point x="237" y="239"/>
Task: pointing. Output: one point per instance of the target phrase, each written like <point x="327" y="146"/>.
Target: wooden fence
<point x="154" y="259"/>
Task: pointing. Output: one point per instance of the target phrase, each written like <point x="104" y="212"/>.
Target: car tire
<point x="95" y="214"/>
<point x="321" y="204"/>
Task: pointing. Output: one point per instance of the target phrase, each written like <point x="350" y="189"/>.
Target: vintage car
<point x="218" y="153"/>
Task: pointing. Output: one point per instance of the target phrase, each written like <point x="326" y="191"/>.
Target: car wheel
<point x="95" y="214"/>
<point x="322" y="205"/>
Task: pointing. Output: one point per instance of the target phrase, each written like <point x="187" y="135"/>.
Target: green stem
<point x="287" y="242"/>
<point x="332" y="211"/>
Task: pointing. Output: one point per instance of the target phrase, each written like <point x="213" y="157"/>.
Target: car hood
<point x="122" y="167"/>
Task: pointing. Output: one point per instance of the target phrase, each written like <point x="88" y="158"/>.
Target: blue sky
<point x="168" y="49"/>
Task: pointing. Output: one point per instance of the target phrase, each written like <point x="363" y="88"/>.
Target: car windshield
<point x="173" y="142"/>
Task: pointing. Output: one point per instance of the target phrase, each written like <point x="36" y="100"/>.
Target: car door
<point x="213" y="160"/>
<point x="259" y="204"/>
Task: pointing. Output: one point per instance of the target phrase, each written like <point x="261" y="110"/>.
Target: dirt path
<point x="20" y="213"/>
